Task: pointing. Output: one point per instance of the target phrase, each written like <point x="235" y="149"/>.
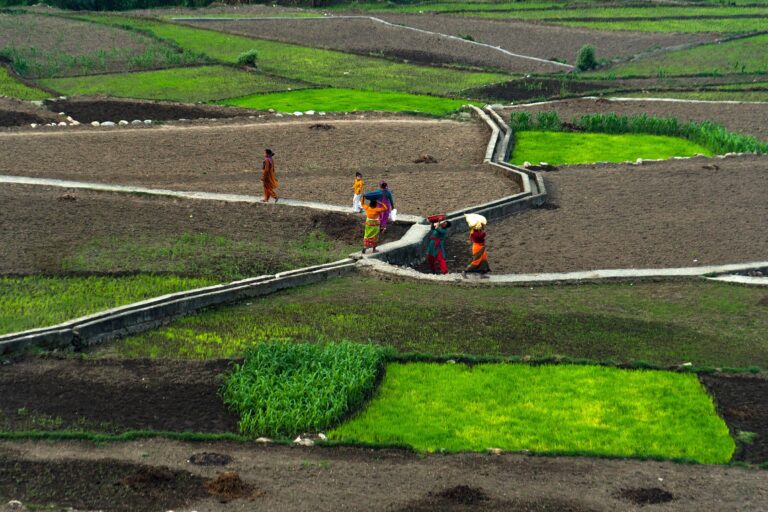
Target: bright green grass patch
<point x="205" y="255"/>
<point x="206" y="83"/>
<point x="740" y="56"/>
<point x="347" y="100"/>
<point x="284" y="389"/>
<point x="723" y="25"/>
<point x="11" y="87"/>
<point x="546" y="409"/>
<point x="30" y="302"/>
<point x="583" y="148"/>
<point x="705" y="323"/>
<point x="326" y="67"/>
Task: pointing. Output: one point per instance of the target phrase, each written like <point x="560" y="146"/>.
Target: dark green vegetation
<point x="559" y="148"/>
<point x="545" y="409"/>
<point x="707" y="324"/>
<point x="107" y="5"/>
<point x="708" y="134"/>
<point x="284" y="389"/>
<point x="585" y="59"/>
<point x="30" y="302"/>
<point x="205" y="255"/>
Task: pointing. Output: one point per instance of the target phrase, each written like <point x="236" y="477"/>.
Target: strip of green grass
<point x="559" y="148"/>
<point x="30" y="302"/>
<point x="740" y="56"/>
<point x="547" y="409"/>
<point x="11" y="87"/>
<point x="326" y="67"/>
<point x="723" y="25"/>
<point x="707" y="324"/>
<point x="206" y="83"/>
<point x="347" y="100"/>
<point x="284" y="389"/>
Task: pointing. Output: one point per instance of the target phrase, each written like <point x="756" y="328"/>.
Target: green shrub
<point x="283" y="389"/>
<point x="549" y="121"/>
<point x="248" y="58"/>
<point x="585" y="59"/>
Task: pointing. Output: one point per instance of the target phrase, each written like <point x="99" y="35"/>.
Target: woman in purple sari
<point x="386" y="198"/>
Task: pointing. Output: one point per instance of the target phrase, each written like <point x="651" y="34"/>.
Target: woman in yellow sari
<point x="372" y="224"/>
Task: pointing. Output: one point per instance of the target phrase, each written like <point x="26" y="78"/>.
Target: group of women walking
<point x="378" y="212"/>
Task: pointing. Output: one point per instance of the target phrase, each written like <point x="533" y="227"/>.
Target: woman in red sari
<point x="479" y="263"/>
<point x="268" y="178"/>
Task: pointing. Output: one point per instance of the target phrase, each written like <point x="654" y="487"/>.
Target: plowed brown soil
<point x="317" y="165"/>
<point x="664" y="214"/>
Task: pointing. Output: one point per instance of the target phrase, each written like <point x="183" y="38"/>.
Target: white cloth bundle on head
<point x="475" y="221"/>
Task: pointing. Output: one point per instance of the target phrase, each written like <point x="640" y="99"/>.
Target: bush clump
<point x="585" y="59"/>
<point x="248" y="58"/>
<point x="706" y="133"/>
<point x="283" y="389"/>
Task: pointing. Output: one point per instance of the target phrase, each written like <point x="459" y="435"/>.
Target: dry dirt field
<point x="675" y="213"/>
<point x="746" y="118"/>
<point x="547" y="41"/>
<point x="124" y="476"/>
<point x="312" y="164"/>
<point x="366" y="36"/>
<point x="41" y="228"/>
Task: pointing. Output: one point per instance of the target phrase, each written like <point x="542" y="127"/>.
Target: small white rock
<point x="136" y="121"/>
<point x="95" y="123"/>
<point x="264" y="440"/>
<point x="33" y="125"/>
<point x="298" y="114"/>
<point x="62" y="123"/>
<point x="321" y="113"/>
<point x="75" y="123"/>
<point x="107" y="123"/>
<point x="271" y="110"/>
<point x="322" y="436"/>
<point x="15" y="505"/>
<point x="123" y="122"/>
<point x="62" y="113"/>
<point x="278" y="115"/>
<point x="310" y="112"/>
<point x="639" y="161"/>
<point x="147" y="121"/>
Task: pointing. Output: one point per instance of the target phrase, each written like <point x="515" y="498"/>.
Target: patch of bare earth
<point x="22" y="113"/>
<point x="312" y="164"/>
<point x="42" y="228"/>
<point x="746" y="118"/>
<point x="329" y="479"/>
<point x="366" y="36"/>
<point x="547" y="41"/>
<point x="677" y="213"/>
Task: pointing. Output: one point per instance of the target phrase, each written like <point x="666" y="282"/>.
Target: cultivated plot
<point x="316" y="159"/>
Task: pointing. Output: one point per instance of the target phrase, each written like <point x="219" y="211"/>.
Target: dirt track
<point x="312" y="164"/>
<point x="747" y="118"/>
<point x="664" y="214"/>
<point x="332" y="479"/>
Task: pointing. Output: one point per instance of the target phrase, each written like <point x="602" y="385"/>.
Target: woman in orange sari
<point x="479" y="261"/>
<point x="372" y="224"/>
<point x="268" y="178"/>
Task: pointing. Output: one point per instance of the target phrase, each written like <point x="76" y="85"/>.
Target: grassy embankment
<point x="30" y="302"/>
<point x="706" y="324"/>
<point x="546" y="409"/>
<point x="559" y="148"/>
<point x="11" y="87"/>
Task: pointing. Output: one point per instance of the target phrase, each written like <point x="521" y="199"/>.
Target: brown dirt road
<point x="331" y="479"/>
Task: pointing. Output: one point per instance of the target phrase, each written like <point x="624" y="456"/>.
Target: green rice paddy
<point x="347" y="100"/>
<point x="544" y="409"/>
<point x="37" y="301"/>
<point x="205" y="83"/>
<point x="561" y="148"/>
